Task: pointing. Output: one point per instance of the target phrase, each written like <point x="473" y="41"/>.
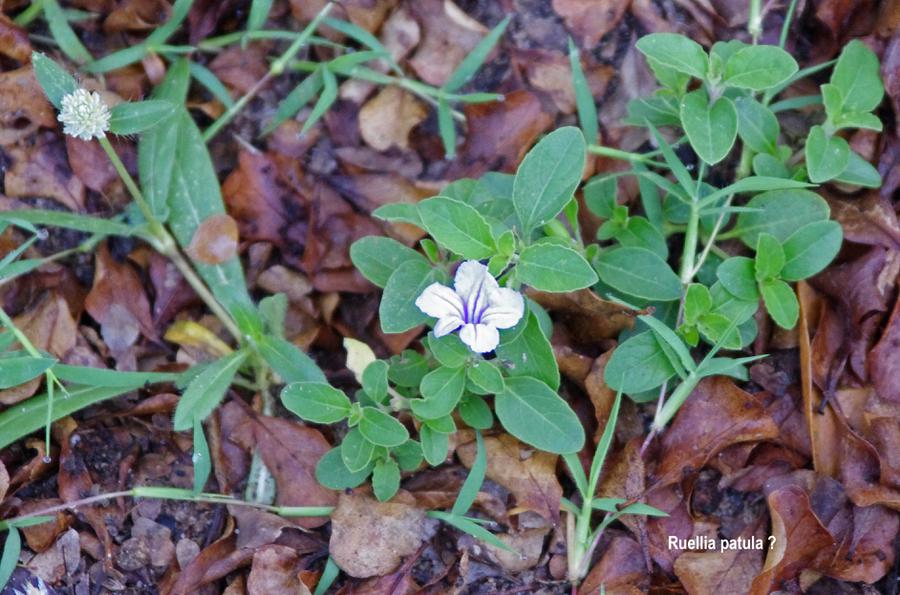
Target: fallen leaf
<point x="445" y="40"/>
<point x="620" y="570"/>
<point x="883" y="360"/>
<point x="386" y="119"/>
<point x="274" y="570"/>
<point x="118" y="302"/>
<point x="720" y="571"/>
<point x="23" y="108"/>
<point x="528" y="546"/>
<point x="290" y="450"/>
<point x="716" y="415"/>
<point x="589" y="20"/>
<point x="371" y="538"/>
<point x="588" y="317"/>
<point x="42" y="171"/>
<point x="14" y="40"/>
<point x="528" y="474"/>
<point x="869" y="219"/>
<point x="215" y="241"/>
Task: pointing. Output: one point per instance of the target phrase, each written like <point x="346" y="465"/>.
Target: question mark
<point x="772" y="542"/>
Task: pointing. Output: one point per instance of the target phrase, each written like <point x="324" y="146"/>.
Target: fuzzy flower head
<point x="476" y="306"/>
<point x="84" y="114"/>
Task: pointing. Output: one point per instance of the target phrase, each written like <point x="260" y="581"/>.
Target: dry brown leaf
<point x="386" y="119"/>
<point x="118" y="302"/>
<point x="215" y="241"/>
<point x="530" y="475"/>
<point x="715" y="416"/>
<point x="371" y="538"/>
<point x="274" y="570"/>
<point x="42" y="536"/>
<point x="528" y="546"/>
<point x="719" y="571"/>
<point x="867" y="220"/>
<point x="589" y="20"/>
<point x="42" y="171"/>
<point x="798" y="537"/>
<point x="240" y="68"/>
<point x="290" y="451"/>
<point x="217" y="560"/>
<point x="445" y="40"/>
<point x="137" y="15"/>
<point x="884" y="359"/>
<point x="588" y="317"/>
<point x="620" y="569"/>
<point x="259" y="199"/>
<point x="14" y="40"/>
<point x="23" y="108"/>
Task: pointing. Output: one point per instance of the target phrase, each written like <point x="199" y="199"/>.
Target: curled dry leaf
<point x="869" y="219"/>
<point x="720" y="571"/>
<point x="446" y="40"/>
<point x="620" y="569"/>
<point x="884" y="363"/>
<point x="386" y="119"/>
<point x="588" y="317"/>
<point x="371" y="538"/>
<point x="14" y="40"/>
<point x="23" y="108"/>
<point x="530" y="475"/>
<point x="528" y="546"/>
<point x="42" y="170"/>
<point x="215" y="241"/>
<point x="589" y="20"/>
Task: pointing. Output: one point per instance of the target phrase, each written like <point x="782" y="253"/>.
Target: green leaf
<point x="375" y="380"/>
<point x="757" y="125"/>
<point x="132" y="118"/>
<point x="697" y="302"/>
<point x="399" y="212"/>
<point x="657" y="110"/>
<point x="475" y="478"/>
<point x="259" y="12"/>
<point x="679" y="170"/>
<point x="548" y="176"/>
<point x="475" y="412"/>
<point x="780" y="213"/>
<point x="201" y="458"/>
<point x="332" y="473"/>
<point x="288" y="360"/>
<point x="641" y="233"/>
<point x="473" y="61"/>
<point x="675" y="51"/>
<point x="434" y="445"/>
<point x="809" y="249"/>
<point x="449" y="350"/>
<point x="826" y="157"/>
<point x="326" y="98"/>
<point x="759" y="67"/>
<point x="711" y="129"/>
<point x="532" y="412"/>
<point x="738" y="276"/>
<point x="529" y="354"/>
<point x="443" y="425"/>
<point x="859" y="120"/>
<point x="100" y="377"/>
<point x="11" y="550"/>
<point x="63" y="34"/>
<point x="857" y="76"/>
<point x="210" y="81"/>
<point x="584" y="99"/>
<point x="486" y="376"/>
<point x="20" y="367"/>
<point x="75" y="221"/>
<point x="381" y="429"/>
<point x="119" y="59"/>
<point x="781" y="303"/>
<point x="667" y="338"/>
<point x="467" y="525"/>
<point x="638" y="364"/>
<point x="398" y="311"/>
<point x="53" y="78"/>
<point x="377" y="257"/>
<point x="441" y="390"/>
<point x="206" y="390"/>
<point x="385" y="479"/>
<point x="356" y="451"/>
<point x="409" y="455"/>
<point x="638" y="272"/>
<point x="296" y="99"/>
<point x="769" y="258"/>
<point x="317" y="402"/>
<point x="859" y="172"/>
<point x="458" y="227"/>
<point x="407" y="369"/>
<point x="551" y="267"/>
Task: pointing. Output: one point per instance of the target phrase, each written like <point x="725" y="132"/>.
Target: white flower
<point x="477" y="306"/>
<point x="84" y="114"/>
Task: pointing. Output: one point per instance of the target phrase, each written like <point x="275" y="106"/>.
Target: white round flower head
<point x="84" y="114"/>
<point x="476" y="306"/>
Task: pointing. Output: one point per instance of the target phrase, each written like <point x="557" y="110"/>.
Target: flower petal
<point x="480" y="338"/>
<point x="439" y="301"/>
<point x="472" y="275"/>
<point x="447" y="325"/>
<point x="505" y="308"/>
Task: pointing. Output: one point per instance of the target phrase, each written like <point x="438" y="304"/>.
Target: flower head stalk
<point x="476" y="306"/>
<point x="84" y="115"/>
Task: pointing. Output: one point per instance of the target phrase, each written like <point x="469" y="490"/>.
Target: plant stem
<point x="263" y="475"/>
<point x="624" y="155"/>
<point x="786" y="27"/>
<point x="166" y="493"/>
<point x="166" y="244"/>
<point x="690" y="245"/>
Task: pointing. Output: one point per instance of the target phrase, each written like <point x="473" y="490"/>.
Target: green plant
<point x="714" y="295"/>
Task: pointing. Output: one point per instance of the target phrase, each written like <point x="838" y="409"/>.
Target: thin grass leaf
<point x="259" y="13"/>
<point x="466" y="525"/>
<point x="11" y="550"/>
<point x="360" y="35"/>
<point x="205" y="391"/>
<point x="447" y="128"/>
<point x="296" y="99"/>
<point x="603" y="446"/>
<point x="329" y="575"/>
<point x="201" y="459"/>
<point x="180" y="10"/>
<point x="573" y="462"/>
<point x="474" y="479"/>
<point x="584" y="99"/>
<point x="475" y="97"/>
<point x="211" y="83"/>
<point x="675" y="165"/>
<point x="63" y="34"/>
<point x="118" y="59"/>
<point x="669" y="337"/>
<point x="74" y="221"/>
<point x="100" y="377"/>
<point x="471" y="63"/>
<point x="326" y="99"/>
<point x="349" y="61"/>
